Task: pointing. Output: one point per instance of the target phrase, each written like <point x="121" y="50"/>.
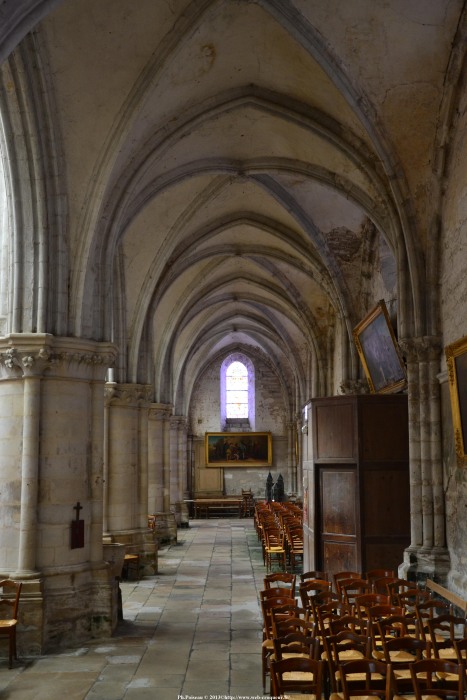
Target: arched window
<point x="236" y="391"/>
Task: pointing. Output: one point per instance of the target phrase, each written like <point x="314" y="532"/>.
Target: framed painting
<point x="379" y="352"/>
<point x="238" y="449"/>
<point x="456" y="357"/>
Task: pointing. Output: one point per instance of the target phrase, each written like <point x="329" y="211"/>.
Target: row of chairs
<point x="279" y="527"/>
<point x="367" y="678"/>
<point x="336" y="631"/>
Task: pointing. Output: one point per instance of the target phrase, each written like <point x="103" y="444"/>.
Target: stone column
<point x="159" y="415"/>
<point x="427" y="554"/>
<point x="174" y="463"/>
<point x="126" y="493"/>
<point x="127" y="460"/>
<point x="51" y="404"/>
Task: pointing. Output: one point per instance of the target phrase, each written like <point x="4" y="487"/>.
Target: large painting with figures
<point x="379" y="352"/>
<point x="238" y="449"/>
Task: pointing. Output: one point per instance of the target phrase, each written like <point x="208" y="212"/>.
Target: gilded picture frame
<point x="379" y="352"/>
<point x="456" y="358"/>
<point x="238" y="449"/>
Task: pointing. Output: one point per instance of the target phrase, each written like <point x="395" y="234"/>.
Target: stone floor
<point x="194" y="630"/>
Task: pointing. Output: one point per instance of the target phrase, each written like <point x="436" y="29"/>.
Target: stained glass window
<point x="236" y="384"/>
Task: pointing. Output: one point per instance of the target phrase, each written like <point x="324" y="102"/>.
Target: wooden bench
<point x="448" y="595"/>
<point x="221" y="506"/>
<point x="130" y="564"/>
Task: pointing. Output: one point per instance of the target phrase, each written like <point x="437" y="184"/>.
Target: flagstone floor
<point x="192" y="631"/>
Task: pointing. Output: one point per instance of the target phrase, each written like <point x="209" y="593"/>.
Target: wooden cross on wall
<point x="77" y="529"/>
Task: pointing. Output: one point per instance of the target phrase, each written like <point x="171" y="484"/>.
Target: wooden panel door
<point x="338" y="508"/>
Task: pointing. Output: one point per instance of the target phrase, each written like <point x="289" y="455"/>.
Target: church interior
<point x="191" y="186"/>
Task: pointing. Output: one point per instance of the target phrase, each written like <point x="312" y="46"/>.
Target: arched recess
<point x="36" y="219"/>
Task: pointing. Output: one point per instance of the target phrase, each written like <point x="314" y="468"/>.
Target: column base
<point x="140" y="541"/>
<point x="421" y="563"/>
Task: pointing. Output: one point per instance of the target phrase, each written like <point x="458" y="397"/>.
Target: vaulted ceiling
<point x="242" y="174"/>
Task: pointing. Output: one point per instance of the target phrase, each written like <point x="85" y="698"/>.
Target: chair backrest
<point x="297" y="674"/>
<point x="10" y="592"/>
<point x="342" y="576"/>
<point x="394" y="626"/>
<point x="310" y="588"/>
<point x="380" y="585"/>
<point x="366" y="600"/>
<point x="286" y="606"/>
<point x="378" y="573"/>
<point x="429" y="609"/>
<point x="274" y="537"/>
<point x="281" y="579"/>
<point x="460" y="645"/>
<point x="297" y="644"/>
<point x="344" y="642"/>
<point x="444" y="630"/>
<point x="366" y="678"/>
<point x="277" y="593"/>
<point x="352" y="588"/>
<point x="410" y="598"/>
<point x="323" y="575"/>
<point x="355" y="624"/>
<point x="429" y="677"/>
<point x="399" y="585"/>
<point x="281" y="626"/>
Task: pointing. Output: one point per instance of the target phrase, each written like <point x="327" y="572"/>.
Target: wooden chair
<point x="366" y="678"/>
<point x="275" y="548"/>
<point x="376" y="613"/>
<point x="429" y="679"/>
<point x="344" y="646"/>
<point x="9" y="602"/>
<point x="427" y="610"/>
<point x="294" y="538"/>
<point x="286" y="607"/>
<point x="443" y="631"/>
<point x="401" y="652"/>
<point x="297" y="675"/>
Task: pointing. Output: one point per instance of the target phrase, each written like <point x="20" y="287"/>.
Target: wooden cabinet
<point x="360" y="460"/>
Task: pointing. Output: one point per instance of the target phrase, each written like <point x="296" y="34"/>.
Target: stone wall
<point x="271" y="415"/>
<point x="453" y="295"/>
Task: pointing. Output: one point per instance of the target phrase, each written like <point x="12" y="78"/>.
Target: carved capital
<point x="160" y="411"/>
<point x="27" y="363"/>
<point x="34" y="354"/>
<point x="128" y="394"/>
<point x="426" y="348"/>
